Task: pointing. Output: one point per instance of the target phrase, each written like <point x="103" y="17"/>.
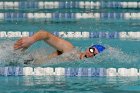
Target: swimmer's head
<point x="94" y="50"/>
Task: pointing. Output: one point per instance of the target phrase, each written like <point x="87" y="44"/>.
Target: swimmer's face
<point x="90" y="52"/>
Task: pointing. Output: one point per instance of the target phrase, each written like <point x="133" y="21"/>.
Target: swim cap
<point x="100" y="48"/>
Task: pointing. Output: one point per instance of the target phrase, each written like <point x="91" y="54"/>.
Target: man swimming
<point x="61" y="45"/>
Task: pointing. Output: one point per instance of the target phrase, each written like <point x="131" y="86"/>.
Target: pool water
<point x="124" y="53"/>
<point x="60" y="84"/>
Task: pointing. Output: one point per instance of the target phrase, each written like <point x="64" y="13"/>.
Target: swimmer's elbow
<point x="68" y="48"/>
<point x="41" y="35"/>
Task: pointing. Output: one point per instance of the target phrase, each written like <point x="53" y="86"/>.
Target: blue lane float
<point x="110" y="35"/>
<point x="11" y="71"/>
<point x="77" y="72"/>
<point x="15" y="16"/>
<point x="28" y="5"/>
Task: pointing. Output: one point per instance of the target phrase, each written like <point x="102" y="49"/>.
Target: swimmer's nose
<point x="90" y="54"/>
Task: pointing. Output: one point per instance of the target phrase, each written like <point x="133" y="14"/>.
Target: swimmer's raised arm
<point x="54" y="41"/>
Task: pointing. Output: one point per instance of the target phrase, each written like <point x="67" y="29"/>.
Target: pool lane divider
<point x="67" y="4"/>
<point x="70" y="34"/>
<point x="11" y="16"/>
<point x="60" y="71"/>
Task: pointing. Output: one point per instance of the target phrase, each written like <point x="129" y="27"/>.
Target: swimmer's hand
<point x="23" y="43"/>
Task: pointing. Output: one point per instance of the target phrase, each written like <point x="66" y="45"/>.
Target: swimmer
<point x="61" y="45"/>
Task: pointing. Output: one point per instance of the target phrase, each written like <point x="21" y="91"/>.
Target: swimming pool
<point x="115" y="24"/>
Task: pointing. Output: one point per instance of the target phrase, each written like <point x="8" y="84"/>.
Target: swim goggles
<point x="92" y="50"/>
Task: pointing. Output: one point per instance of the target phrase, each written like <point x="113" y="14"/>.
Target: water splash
<point x="114" y="55"/>
<point x="8" y="55"/>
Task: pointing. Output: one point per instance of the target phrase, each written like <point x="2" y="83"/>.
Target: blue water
<point x="52" y="84"/>
<point x="124" y="53"/>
